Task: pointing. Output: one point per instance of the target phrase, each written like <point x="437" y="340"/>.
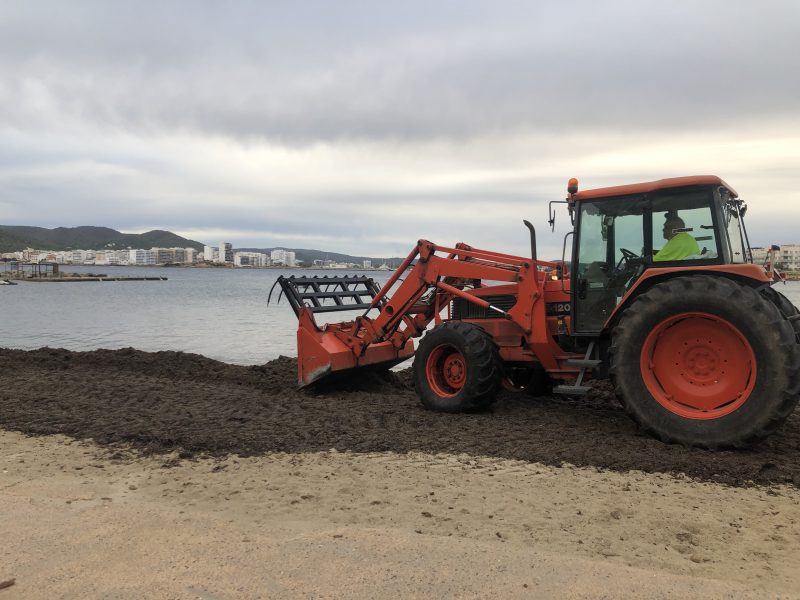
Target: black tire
<point x="771" y="338"/>
<point x="786" y="307"/>
<point x="480" y="363"/>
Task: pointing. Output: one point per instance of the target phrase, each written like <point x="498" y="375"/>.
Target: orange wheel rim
<point x="698" y="366"/>
<point x="446" y="370"/>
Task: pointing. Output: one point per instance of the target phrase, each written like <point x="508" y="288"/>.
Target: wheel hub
<point x="454" y="370"/>
<point x="698" y="365"/>
<point x="446" y="370"/>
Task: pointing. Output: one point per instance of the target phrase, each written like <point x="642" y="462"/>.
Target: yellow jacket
<point x="678" y="248"/>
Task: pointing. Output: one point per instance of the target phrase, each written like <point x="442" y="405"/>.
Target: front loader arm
<point x="443" y="275"/>
<point x="386" y="338"/>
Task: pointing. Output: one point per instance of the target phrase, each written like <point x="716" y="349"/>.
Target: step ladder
<point x="587" y="362"/>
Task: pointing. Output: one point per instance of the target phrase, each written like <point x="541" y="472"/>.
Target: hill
<point x="18" y="237"/>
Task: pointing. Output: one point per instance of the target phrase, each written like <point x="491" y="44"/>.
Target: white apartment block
<point x="250" y="259"/>
<point x="63" y="258"/>
<point x="788" y="257"/>
<point x="112" y="257"/>
<point x="283" y="257"/>
<point x="141" y="257"/>
<point x="225" y="253"/>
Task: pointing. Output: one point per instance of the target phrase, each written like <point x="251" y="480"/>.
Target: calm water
<point x="221" y="313"/>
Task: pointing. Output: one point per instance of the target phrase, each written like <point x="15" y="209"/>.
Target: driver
<point x="679" y="243"/>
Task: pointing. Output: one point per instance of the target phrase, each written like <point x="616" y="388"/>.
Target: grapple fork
<point x="323" y="349"/>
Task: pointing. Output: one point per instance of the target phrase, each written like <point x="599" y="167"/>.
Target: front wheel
<point x="457" y="368"/>
<point x="705" y="361"/>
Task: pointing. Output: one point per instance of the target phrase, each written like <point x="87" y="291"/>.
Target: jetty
<point x="47" y="272"/>
<point x="65" y="279"/>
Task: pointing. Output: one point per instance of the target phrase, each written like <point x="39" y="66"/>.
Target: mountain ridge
<point x="14" y="238"/>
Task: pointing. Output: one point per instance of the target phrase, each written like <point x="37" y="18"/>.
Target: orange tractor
<point x="660" y="295"/>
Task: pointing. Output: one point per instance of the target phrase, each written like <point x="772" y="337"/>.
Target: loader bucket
<point x="323" y="350"/>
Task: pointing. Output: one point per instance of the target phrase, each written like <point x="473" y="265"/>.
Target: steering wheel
<point x="627" y="257"/>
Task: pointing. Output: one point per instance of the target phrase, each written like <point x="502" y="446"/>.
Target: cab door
<point x="610" y="250"/>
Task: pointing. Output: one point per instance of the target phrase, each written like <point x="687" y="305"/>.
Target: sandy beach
<point x="126" y="474"/>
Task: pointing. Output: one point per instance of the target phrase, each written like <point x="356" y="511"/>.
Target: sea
<point x="219" y="313"/>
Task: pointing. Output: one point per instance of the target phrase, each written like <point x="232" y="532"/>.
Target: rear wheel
<point x="705" y="361"/>
<point x="785" y="306"/>
<point x="457" y="368"/>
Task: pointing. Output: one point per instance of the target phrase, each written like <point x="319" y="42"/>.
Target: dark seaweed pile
<point x="164" y="401"/>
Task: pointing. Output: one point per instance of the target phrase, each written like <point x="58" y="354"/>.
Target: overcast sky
<point x="360" y="127"/>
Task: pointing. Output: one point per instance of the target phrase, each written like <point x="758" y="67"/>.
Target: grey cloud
<point x="105" y="106"/>
<point x="330" y="71"/>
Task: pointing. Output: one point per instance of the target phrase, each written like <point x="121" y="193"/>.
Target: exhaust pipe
<point x="533" y="237"/>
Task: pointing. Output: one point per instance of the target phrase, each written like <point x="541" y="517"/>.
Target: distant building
<point x="788" y="257"/>
<point x="163" y="255"/>
<point x="63" y="258"/>
<point x="367" y="264"/>
<point x="279" y="256"/>
<point x="225" y="253"/>
<point x="759" y="255"/>
<point x="250" y="259"/>
<point x="208" y="253"/>
<point x="141" y="257"/>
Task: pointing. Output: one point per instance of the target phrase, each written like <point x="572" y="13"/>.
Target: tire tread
<point x="768" y="317"/>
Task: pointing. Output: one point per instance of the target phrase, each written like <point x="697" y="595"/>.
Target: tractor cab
<point x="622" y="232"/>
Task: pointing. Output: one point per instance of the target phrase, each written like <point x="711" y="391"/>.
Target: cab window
<point x="683" y="227"/>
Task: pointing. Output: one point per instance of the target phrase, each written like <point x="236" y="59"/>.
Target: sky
<point x="360" y="127"/>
